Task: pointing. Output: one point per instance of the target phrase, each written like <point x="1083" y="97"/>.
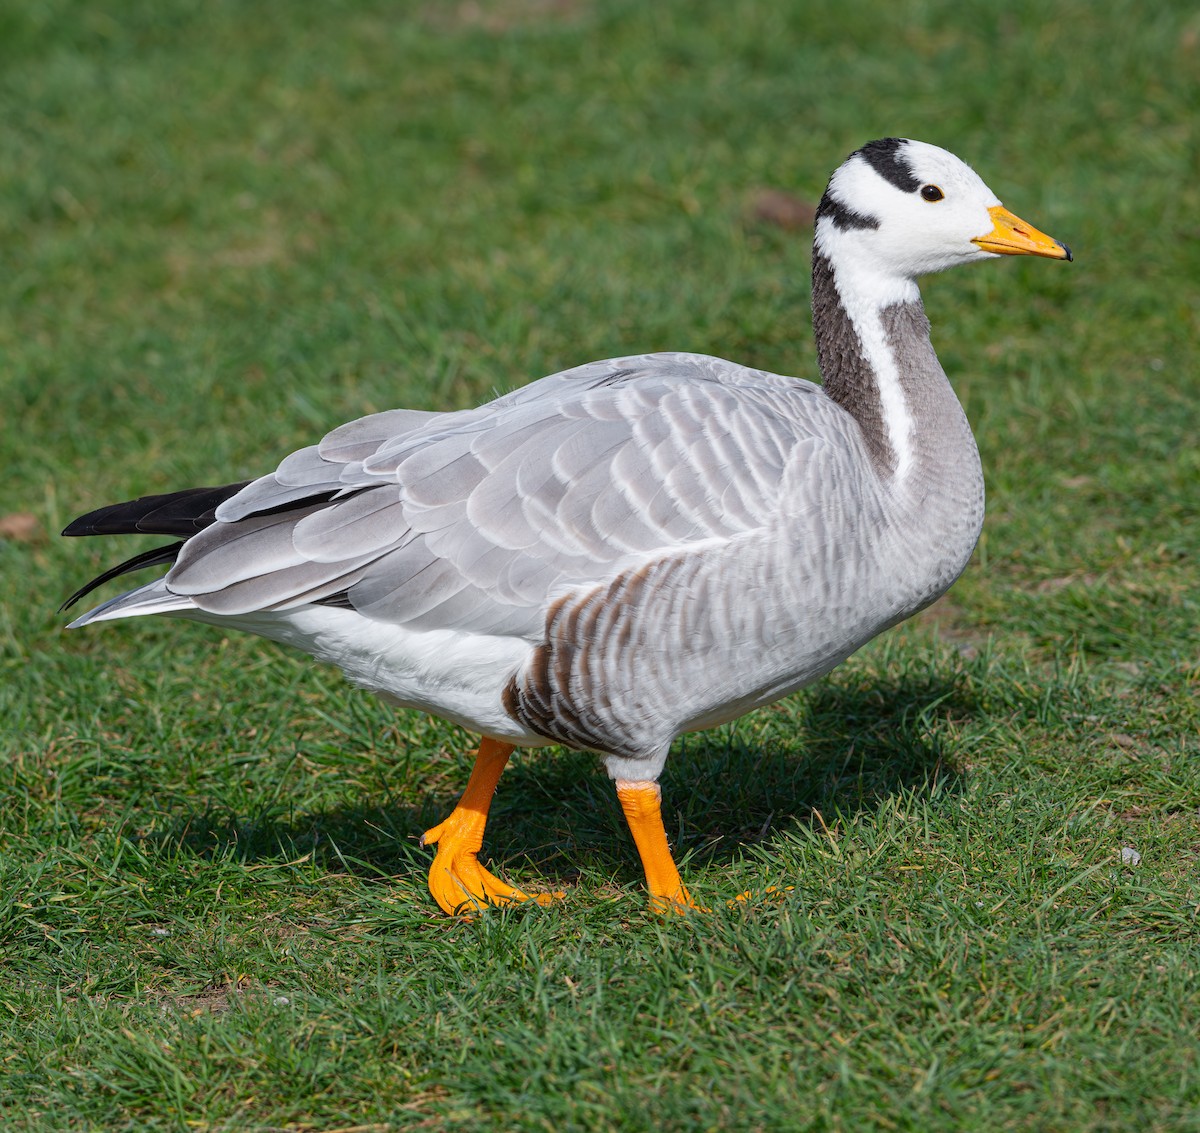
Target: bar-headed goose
<point x="631" y="549"/>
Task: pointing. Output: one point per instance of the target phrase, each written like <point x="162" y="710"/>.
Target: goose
<point x="628" y="550"/>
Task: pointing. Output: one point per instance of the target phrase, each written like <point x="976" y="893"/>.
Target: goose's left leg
<point x="641" y="800"/>
<point x="457" y="881"/>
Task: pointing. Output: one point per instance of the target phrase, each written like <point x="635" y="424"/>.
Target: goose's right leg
<point x="641" y="800"/>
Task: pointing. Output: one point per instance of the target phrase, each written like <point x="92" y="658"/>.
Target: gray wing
<point x="476" y="520"/>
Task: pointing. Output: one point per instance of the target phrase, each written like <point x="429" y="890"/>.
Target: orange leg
<point x="457" y="881"/>
<point x="642" y="803"/>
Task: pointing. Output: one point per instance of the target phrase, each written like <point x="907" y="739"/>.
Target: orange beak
<point x="1013" y="237"/>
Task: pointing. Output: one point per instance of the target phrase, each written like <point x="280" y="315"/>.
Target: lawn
<point x="227" y="227"/>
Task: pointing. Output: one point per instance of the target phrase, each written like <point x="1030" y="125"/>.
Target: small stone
<point x="20" y="527"/>
<point x="1130" y="856"/>
<point x="783" y="210"/>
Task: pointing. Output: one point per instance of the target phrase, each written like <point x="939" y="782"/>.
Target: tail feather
<point x="185" y="514"/>
<point x="172" y="513"/>
<point x="153" y="598"/>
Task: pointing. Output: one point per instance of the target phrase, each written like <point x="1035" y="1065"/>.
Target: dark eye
<point x="931" y="193"/>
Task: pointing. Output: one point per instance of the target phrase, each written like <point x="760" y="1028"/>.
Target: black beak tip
<point x="1067" y="250"/>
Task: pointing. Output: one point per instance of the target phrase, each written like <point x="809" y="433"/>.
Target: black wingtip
<point x="79" y="526"/>
<point x="172" y="513"/>
<point x="154" y="557"/>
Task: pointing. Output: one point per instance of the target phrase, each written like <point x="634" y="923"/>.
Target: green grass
<point x="228" y="226"/>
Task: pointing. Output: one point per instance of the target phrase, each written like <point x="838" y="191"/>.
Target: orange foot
<point x="457" y="881"/>
<point x="680" y="903"/>
<point x="459" y="884"/>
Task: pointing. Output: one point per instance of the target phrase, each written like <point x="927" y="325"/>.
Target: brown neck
<point x="916" y="420"/>
<point x="846" y="374"/>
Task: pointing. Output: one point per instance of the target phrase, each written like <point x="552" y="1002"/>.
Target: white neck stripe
<point x="863" y="309"/>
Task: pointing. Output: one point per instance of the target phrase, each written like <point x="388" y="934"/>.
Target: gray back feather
<point x="476" y="520"/>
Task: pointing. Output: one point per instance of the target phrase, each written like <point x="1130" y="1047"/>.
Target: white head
<point x="897" y="209"/>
